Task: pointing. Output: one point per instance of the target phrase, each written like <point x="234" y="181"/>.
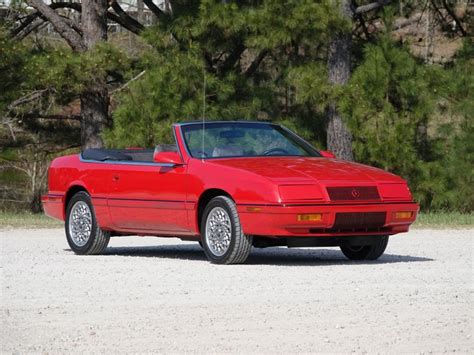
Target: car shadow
<point x="269" y="256"/>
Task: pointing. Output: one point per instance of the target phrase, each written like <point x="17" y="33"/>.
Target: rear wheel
<point x="222" y="237"/>
<point x="83" y="234"/>
<point x="366" y="252"/>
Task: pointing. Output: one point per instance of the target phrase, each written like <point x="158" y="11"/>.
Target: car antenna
<point x="203" y="111"/>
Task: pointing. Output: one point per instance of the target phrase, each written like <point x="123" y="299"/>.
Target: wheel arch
<point x="204" y="199"/>
<point x="74" y="189"/>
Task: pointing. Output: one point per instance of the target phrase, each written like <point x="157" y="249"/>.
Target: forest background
<point x="385" y="83"/>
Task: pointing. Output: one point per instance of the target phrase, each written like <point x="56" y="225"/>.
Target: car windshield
<point x="243" y="139"/>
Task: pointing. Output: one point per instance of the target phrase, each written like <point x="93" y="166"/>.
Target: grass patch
<point x="10" y="220"/>
<point x="444" y="220"/>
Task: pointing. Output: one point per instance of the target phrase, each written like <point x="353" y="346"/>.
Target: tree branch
<point x="208" y="61"/>
<point x="232" y="58"/>
<point x="27" y="98"/>
<point x="437" y="10"/>
<point x="41" y="20"/>
<point x="256" y="63"/>
<point x="155" y="9"/>
<point x="405" y="22"/>
<point x="128" y="82"/>
<point x="372" y="6"/>
<point x="37" y="115"/>
<point x="361" y="21"/>
<point x="24" y="23"/>
<point x="64" y="30"/>
<point x="129" y="25"/>
<point x="133" y="25"/>
<point x="453" y="15"/>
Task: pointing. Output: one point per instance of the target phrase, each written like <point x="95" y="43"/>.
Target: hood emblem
<point x="355" y="193"/>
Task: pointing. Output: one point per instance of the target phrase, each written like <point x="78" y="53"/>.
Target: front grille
<point x="359" y="220"/>
<point x="353" y="193"/>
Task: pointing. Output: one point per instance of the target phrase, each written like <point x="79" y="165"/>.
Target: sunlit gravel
<point x="161" y="295"/>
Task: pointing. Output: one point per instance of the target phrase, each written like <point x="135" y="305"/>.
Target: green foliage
<point x="25" y="67"/>
<point x="14" y="57"/>
<point x="312" y="84"/>
<point x="285" y="23"/>
<point x="207" y="41"/>
<point x="456" y="136"/>
<point x="68" y="73"/>
<point x="386" y="105"/>
<point x="37" y="80"/>
<point x="393" y="110"/>
<point x="262" y="60"/>
<point x="456" y="168"/>
<point x="406" y="117"/>
<point x="171" y="90"/>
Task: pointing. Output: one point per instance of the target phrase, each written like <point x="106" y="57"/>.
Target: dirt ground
<point x="161" y="295"/>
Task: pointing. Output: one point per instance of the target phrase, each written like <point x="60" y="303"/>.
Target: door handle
<point x="115" y="177"/>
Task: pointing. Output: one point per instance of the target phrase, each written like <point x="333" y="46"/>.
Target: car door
<point x="148" y="197"/>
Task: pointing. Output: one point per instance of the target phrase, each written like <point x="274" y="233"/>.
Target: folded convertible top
<point x="105" y="154"/>
<point x="143" y="155"/>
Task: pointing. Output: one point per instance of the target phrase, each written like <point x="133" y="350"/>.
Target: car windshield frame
<point x="285" y="132"/>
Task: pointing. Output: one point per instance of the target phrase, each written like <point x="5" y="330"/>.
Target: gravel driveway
<point x="161" y="295"/>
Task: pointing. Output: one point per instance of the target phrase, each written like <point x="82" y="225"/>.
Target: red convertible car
<point x="229" y="186"/>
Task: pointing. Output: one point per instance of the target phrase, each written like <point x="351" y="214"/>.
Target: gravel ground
<point x="161" y="295"/>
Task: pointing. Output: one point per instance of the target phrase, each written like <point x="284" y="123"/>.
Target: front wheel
<point x="223" y="239"/>
<point x="366" y="252"/>
<point x="84" y="235"/>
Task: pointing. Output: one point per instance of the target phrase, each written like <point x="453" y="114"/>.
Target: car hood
<point x="309" y="169"/>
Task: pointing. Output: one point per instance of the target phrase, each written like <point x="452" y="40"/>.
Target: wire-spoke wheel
<point x="80" y="223"/>
<point x="218" y="231"/>
<point x="223" y="239"/>
<point x="83" y="234"/>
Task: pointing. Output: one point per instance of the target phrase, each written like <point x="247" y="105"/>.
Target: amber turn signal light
<point x="313" y="217"/>
<point x="254" y="209"/>
<point x="403" y="215"/>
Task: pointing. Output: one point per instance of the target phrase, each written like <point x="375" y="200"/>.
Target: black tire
<point x="240" y="245"/>
<point x="97" y="240"/>
<point x="366" y="252"/>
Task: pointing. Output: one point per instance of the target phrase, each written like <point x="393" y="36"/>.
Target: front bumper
<point x="282" y="221"/>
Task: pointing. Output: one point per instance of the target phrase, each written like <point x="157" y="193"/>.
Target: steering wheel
<point x="275" y="150"/>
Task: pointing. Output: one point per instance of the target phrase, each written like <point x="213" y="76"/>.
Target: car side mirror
<point x="171" y="158"/>
<point x="327" y="154"/>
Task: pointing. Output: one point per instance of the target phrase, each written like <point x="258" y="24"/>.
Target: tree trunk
<point x="140" y="12"/>
<point x="94" y="99"/>
<point x="94" y="109"/>
<point x="339" y="139"/>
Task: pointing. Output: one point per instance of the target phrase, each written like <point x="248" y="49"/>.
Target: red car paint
<point x="270" y="192"/>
